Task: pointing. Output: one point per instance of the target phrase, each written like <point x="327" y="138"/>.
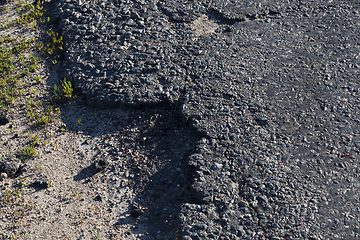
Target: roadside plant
<point x="35" y="140"/>
<point x="37" y="78"/>
<point x="43" y="121"/>
<point x="39" y="167"/>
<point x="57" y="92"/>
<point x="29" y="151"/>
<point x="75" y="193"/>
<point x="67" y="88"/>
<point x="152" y="124"/>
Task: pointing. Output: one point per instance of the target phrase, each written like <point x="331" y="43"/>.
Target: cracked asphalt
<point x="271" y="89"/>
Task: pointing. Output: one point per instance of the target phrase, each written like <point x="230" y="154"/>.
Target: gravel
<point x="101" y="164"/>
<point x="9" y="165"/>
<point x="270" y="89"/>
<point x="41" y="183"/>
<point x="3" y="119"/>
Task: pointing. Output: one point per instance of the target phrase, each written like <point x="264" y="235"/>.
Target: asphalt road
<point x="271" y="86"/>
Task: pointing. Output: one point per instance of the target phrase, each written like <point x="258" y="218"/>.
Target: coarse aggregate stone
<point x="271" y="86"/>
<point x="3" y="119"/>
<point x="9" y="165"/>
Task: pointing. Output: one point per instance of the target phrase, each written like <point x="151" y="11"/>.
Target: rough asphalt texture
<point x="271" y="86"/>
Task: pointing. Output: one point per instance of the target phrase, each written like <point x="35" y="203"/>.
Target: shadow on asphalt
<point x="163" y="181"/>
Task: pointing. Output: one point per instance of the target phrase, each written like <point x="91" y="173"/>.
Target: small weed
<point x="33" y="58"/>
<point x="31" y="115"/>
<point x="152" y="123"/>
<point x="34" y="91"/>
<point x="35" y="141"/>
<point x="66" y="91"/>
<point x="75" y="193"/>
<point x="29" y="151"/>
<point x="39" y="167"/>
<point x="43" y="121"/>
<point x="32" y="68"/>
<point x="39" y="46"/>
<point x="56" y="41"/>
<point x="37" y="78"/>
<point x="26" y="72"/>
<point x="57" y="92"/>
<point x="67" y="88"/>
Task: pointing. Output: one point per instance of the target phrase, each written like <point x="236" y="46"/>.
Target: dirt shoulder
<point x="82" y="171"/>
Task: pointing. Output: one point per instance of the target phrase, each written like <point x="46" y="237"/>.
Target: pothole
<point x="208" y="23"/>
<point x="203" y="25"/>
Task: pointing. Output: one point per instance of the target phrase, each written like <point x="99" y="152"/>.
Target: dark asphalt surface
<point x="271" y="86"/>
